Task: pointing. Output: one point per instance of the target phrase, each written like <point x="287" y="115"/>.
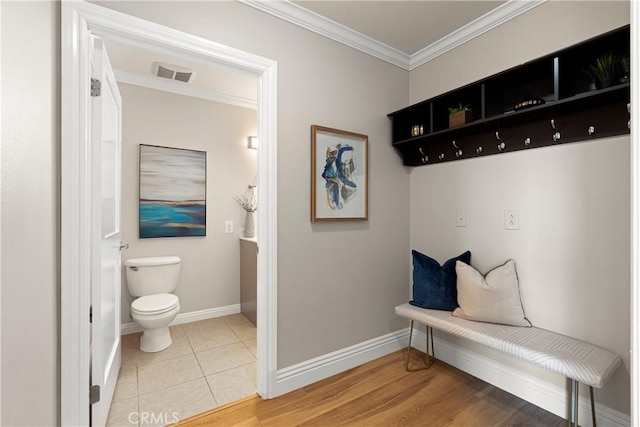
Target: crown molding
<point x="498" y="16"/>
<point x="182" y="89"/>
<point x="298" y="15"/>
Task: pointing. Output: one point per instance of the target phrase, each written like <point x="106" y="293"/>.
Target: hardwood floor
<point x="382" y="393"/>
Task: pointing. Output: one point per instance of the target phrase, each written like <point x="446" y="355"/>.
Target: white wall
<point x="573" y="248"/>
<point x="30" y="174"/>
<point x="337" y="283"/>
<point x="210" y="269"/>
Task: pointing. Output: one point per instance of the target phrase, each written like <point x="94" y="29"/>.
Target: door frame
<point x="78" y="21"/>
<point x="634" y="116"/>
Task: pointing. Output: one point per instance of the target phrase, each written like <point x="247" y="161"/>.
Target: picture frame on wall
<point x="173" y="192"/>
<point x="339" y="175"/>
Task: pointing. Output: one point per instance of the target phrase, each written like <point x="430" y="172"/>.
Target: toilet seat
<point x="154" y="304"/>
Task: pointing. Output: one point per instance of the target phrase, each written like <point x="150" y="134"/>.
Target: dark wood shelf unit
<point x="572" y="105"/>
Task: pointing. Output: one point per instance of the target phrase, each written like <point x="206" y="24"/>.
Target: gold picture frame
<point x="339" y="175"/>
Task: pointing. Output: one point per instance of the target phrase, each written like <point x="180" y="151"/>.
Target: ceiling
<point x="407" y="26"/>
<point x="404" y="33"/>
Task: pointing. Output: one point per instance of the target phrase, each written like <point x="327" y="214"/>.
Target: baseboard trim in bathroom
<point x="193" y="316"/>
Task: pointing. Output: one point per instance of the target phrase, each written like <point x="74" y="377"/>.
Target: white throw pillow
<point x="494" y="298"/>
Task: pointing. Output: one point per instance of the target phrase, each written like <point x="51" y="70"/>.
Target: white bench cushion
<point x="572" y="358"/>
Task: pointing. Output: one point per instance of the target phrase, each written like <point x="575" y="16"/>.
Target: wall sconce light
<point x="254" y="142"/>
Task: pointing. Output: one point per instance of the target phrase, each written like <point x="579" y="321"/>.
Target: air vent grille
<point x="165" y="72"/>
<point x="183" y="77"/>
<point x="173" y="72"/>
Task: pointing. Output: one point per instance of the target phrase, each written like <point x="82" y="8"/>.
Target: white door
<point x="106" y="111"/>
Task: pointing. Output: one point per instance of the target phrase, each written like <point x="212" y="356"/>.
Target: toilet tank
<point x="153" y="275"/>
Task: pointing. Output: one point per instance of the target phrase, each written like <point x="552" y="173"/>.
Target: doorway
<point x="79" y="22"/>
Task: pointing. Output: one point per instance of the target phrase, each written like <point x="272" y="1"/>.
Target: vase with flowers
<point x="249" y="205"/>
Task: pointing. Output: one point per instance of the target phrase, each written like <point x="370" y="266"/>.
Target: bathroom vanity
<point x="248" y="277"/>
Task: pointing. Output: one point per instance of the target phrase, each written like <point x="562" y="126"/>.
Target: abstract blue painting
<point x="173" y="192"/>
<point x="339" y="171"/>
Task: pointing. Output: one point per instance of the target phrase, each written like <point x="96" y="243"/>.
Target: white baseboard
<point x="319" y="368"/>
<point x="193" y="316"/>
<point x="541" y="393"/>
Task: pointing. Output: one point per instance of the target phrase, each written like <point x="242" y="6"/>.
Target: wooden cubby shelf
<point x="573" y="109"/>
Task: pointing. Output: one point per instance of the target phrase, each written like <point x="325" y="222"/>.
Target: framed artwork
<point x="339" y="175"/>
<point x="173" y="192"/>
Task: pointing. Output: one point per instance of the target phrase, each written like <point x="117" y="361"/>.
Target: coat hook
<point x="591" y="130"/>
<point x="479" y="150"/>
<point x="502" y="144"/>
<point x="424" y="157"/>
<point x="556" y="136"/>
<point x="527" y="141"/>
<point x="459" y="151"/>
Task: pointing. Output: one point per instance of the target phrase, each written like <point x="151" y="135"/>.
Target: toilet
<point x="152" y="281"/>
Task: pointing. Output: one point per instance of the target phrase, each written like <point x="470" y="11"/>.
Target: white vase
<point x="249" y="226"/>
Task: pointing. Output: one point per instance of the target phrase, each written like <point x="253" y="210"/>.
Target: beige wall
<point x="552" y="26"/>
<point x="572" y="249"/>
<point x="328" y="298"/>
<point x="337" y="283"/>
<point x="319" y="82"/>
<point x="210" y="270"/>
<point x="30" y="174"/>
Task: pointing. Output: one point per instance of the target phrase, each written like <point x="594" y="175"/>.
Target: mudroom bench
<point x="577" y="360"/>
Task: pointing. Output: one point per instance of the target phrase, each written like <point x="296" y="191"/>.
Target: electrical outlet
<point x="461" y="219"/>
<point x="228" y="227"/>
<point x="511" y="220"/>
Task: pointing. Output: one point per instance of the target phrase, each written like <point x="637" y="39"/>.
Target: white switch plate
<point x="228" y="227"/>
<point x="511" y="220"/>
<point x="461" y="219"/>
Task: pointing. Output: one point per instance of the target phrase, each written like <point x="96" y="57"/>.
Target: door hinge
<point x="95" y="87"/>
<point x="94" y="394"/>
<point x="90" y="314"/>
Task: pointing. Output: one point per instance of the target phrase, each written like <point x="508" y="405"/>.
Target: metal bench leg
<point x="575" y="396"/>
<point x="427" y="358"/>
<point x="573" y="419"/>
<point x="593" y="407"/>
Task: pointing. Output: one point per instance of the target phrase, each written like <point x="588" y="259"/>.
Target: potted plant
<point x="459" y="115"/>
<point x="604" y="71"/>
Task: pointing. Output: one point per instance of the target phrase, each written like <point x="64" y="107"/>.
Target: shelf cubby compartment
<point x="468" y="96"/>
<point x="405" y="120"/>
<point x="575" y="61"/>
<point x="533" y="80"/>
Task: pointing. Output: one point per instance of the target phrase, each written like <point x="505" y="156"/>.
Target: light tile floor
<point x="210" y="363"/>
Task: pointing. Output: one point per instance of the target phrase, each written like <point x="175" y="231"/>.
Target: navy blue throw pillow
<point x="434" y="286"/>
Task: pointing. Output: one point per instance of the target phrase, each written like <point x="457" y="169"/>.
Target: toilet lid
<point x="158" y="303"/>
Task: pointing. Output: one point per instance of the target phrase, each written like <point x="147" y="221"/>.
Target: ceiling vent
<point x="173" y="72"/>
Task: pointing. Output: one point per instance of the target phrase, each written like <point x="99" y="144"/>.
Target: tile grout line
<point x="204" y="376"/>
